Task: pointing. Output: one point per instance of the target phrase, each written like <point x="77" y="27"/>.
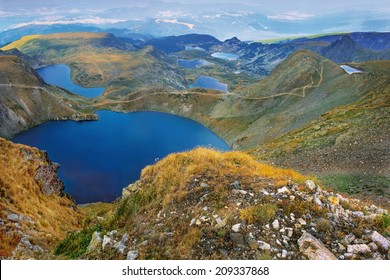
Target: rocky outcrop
<point x="35" y="211"/>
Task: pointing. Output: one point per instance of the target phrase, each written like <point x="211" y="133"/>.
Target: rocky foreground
<point x="208" y="205"/>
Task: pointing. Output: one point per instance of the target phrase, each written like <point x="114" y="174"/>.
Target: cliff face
<point x="34" y="210"/>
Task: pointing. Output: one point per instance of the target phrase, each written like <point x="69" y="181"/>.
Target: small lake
<point x="209" y="83"/>
<point x="226" y="56"/>
<point x="350" y="70"/>
<point x="59" y="75"/>
<point x="99" y="158"/>
<point x="196" y="63"/>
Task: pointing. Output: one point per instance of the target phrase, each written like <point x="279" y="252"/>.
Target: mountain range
<point x="288" y="103"/>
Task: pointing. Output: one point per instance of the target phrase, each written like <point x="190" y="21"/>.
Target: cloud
<point x="91" y="20"/>
<point x="174" y="21"/>
<point x="292" y="16"/>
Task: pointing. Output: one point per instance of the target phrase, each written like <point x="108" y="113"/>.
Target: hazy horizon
<point x="248" y="19"/>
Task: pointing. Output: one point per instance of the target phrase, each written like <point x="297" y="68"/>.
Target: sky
<point x="305" y="16"/>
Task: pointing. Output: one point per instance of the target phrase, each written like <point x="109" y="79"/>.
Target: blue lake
<point x="210" y="83"/>
<point x="196" y="63"/>
<point x="59" y="75"/>
<point x="350" y="70"/>
<point x="227" y="56"/>
<point x="100" y="158"/>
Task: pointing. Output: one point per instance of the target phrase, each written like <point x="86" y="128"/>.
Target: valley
<point x="288" y="104"/>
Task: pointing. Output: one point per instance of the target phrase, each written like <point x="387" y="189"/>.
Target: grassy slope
<point x="50" y="216"/>
<point x="348" y="143"/>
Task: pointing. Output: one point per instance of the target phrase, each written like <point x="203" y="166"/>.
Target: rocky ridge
<point x="242" y="217"/>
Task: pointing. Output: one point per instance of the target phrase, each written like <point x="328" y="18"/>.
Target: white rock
<point x="380" y="240"/>
<point x="310" y="185"/>
<point x="302" y="221"/>
<point x="193" y="221"/>
<point x="264" y="246"/>
<point x="106" y="241"/>
<point x="236" y="227"/>
<point x="284" y="190"/>
<point x="275" y="224"/>
<point x="358" y="214"/>
<point x="358" y="249"/>
<point x="132" y="255"/>
<point x="284" y="254"/>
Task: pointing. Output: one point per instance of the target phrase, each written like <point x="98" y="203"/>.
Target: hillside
<point x="348" y="145"/>
<point x="204" y="204"/>
<point x="101" y="59"/>
<point x="34" y="210"/>
<point x="26" y="101"/>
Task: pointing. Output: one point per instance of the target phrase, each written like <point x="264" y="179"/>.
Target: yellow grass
<point x="19" y="43"/>
<point x="52" y="215"/>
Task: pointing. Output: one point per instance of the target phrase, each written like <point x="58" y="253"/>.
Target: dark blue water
<point x="210" y="83"/>
<point x="100" y="158"/>
<point x="196" y="63"/>
<point x="59" y="75"/>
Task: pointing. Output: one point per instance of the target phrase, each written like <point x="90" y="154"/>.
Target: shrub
<point x="259" y="213"/>
<point x="323" y="225"/>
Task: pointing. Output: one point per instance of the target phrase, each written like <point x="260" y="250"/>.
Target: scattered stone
<point x="349" y="238"/>
<point x="264" y="246"/>
<point x="275" y="224"/>
<point x="380" y="240"/>
<point x="192" y="223"/>
<point x="310" y="185"/>
<point x="317" y="200"/>
<point x="204" y="186"/>
<point x="342" y="248"/>
<point x="313" y="248"/>
<point x="13" y="217"/>
<point x="284" y="254"/>
<point x="358" y="249"/>
<point x="302" y="221"/>
<point x="292" y="198"/>
<point x="132" y="255"/>
<point x="284" y="190"/>
<point x="236" y="227"/>
<point x="358" y="214"/>
<point x="220" y="223"/>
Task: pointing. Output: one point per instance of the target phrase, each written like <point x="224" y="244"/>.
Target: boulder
<point x="313" y="248"/>
<point x="358" y="249"/>
<point x="380" y="240"/>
